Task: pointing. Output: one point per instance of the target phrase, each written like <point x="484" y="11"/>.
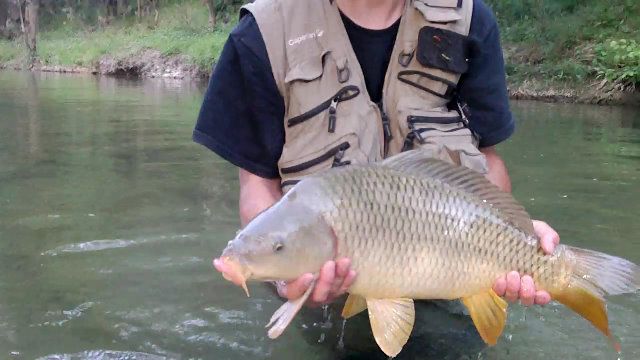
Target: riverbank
<point x="153" y="64"/>
<point x="177" y="43"/>
<point x="149" y="63"/>
<point x="569" y="53"/>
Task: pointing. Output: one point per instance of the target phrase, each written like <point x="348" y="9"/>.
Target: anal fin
<point x="285" y="313"/>
<point x="489" y="314"/>
<point x="391" y="322"/>
<point x="354" y="305"/>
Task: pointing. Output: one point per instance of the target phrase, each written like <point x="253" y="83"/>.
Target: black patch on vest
<point x="443" y="49"/>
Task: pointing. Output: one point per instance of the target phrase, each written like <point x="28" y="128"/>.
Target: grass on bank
<point x="571" y="40"/>
<point x="181" y="29"/>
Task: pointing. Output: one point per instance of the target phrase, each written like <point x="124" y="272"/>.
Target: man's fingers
<point x="549" y="238"/>
<point x="351" y="277"/>
<point x="500" y="286"/>
<point x="296" y="288"/>
<point x="324" y="283"/>
<point x="342" y="270"/>
<point x="527" y="291"/>
<point x="542" y="297"/>
<point x="513" y="286"/>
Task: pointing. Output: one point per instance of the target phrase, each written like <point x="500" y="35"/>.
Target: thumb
<point x="296" y="288"/>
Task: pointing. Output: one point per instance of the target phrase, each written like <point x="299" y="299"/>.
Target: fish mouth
<point x="233" y="271"/>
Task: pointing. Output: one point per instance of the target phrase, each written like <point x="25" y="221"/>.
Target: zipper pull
<point x="333" y="107"/>
<point x="412" y="127"/>
<point x="337" y="158"/>
<point x="465" y="119"/>
<point x="408" y="141"/>
<point x="386" y="125"/>
<point x="386" y="129"/>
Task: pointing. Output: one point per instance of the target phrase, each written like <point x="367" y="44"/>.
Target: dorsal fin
<point x="421" y="163"/>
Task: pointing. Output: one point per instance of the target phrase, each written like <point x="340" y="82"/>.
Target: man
<point x="303" y="85"/>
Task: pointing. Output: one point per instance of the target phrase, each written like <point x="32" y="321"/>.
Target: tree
<point x="123" y="7"/>
<point x="211" y="4"/>
<point x="112" y="8"/>
<point x="4" y="14"/>
<point x="31" y="28"/>
<point x="29" y="25"/>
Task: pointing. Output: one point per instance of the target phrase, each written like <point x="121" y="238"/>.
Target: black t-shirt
<point x="242" y="115"/>
<point x="373" y="50"/>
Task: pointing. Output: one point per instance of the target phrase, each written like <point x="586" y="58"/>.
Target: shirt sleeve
<point x="483" y="87"/>
<point x="241" y="117"/>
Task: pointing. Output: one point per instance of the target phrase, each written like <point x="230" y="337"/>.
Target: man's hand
<point x="334" y="279"/>
<point x="514" y="287"/>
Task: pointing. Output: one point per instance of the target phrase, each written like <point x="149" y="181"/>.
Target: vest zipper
<point x="412" y="120"/>
<point x="336" y="152"/>
<point x="415" y="119"/>
<point x="289" y="183"/>
<point x="333" y="107"/>
<point x="386" y="128"/>
<point x="346" y="93"/>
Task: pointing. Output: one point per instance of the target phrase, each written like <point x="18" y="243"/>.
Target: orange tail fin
<point x="595" y="275"/>
<point x="588" y="305"/>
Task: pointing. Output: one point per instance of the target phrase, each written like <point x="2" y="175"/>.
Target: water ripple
<point x="108" y="244"/>
<point x="95" y="245"/>
<point x="59" y="318"/>
<point x="103" y="355"/>
<point x="230" y="316"/>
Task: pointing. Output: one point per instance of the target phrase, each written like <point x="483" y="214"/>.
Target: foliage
<point x="619" y="61"/>
<point x="9" y="50"/>
<point x="557" y="40"/>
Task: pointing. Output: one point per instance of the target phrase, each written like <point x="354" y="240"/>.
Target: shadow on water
<point x="110" y="215"/>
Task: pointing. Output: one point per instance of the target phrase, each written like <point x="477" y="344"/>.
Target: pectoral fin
<point x="285" y="313"/>
<point x="391" y="322"/>
<point x="354" y="305"/>
<point x="489" y="313"/>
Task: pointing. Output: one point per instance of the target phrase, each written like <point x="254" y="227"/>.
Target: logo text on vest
<point x="300" y="39"/>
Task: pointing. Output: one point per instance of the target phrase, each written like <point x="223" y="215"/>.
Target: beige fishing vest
<point x="329" y="117"/>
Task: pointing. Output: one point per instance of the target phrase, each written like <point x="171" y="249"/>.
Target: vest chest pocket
<point x="329" y="105"/>
<point x="443" y="49"/>
<point x="340" y="152"/>
<point x="321" y="120"/>
<point x="317" y="92"/>
<point x="438" y="129"/>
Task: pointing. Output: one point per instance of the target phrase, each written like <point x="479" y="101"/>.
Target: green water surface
<point x="110" y="215"/>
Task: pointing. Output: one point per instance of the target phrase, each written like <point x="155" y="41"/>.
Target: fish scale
<point x="392" y="225"/>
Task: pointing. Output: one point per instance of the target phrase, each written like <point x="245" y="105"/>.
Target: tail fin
<point x="595" y="275"/>
<point x="604" y="274"/>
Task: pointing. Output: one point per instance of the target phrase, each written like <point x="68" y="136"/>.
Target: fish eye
<point x="277" y="247"/>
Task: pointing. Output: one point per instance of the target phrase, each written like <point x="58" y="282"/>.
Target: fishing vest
<point x="330" y="119"/>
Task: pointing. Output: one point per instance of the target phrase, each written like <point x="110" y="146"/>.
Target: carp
<point x="417" y="228"/>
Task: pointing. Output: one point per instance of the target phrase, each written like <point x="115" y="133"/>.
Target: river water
<point x="110" y="215"/>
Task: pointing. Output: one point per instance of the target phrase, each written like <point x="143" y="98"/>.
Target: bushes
<point x="570" y="40"/>
<point x="618" y="61"/>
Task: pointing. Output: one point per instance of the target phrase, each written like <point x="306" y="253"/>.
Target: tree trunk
<point x="211" y="4"/>
<point x="31" y="28"/>
<point x="112" y="8"/>
<point x="4" y="13"/>
<point x="123" y="7"/>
